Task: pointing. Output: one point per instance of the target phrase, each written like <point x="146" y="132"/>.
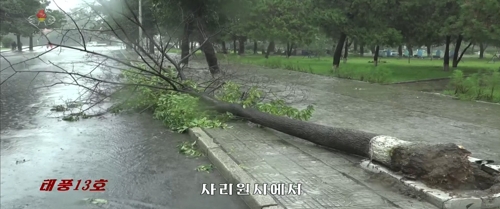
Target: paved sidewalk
<point x="389" y="110"/>
<point x="334" y="180"/>
<point x="328" y="179"/>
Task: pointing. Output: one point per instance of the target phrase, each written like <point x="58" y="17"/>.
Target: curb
<point x="456" y="98"/>
<point x="418" y="81"/>
<point x="230" y="170"/>
<point x="441" y="199"/>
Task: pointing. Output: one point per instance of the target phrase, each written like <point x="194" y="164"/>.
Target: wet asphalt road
<point x="136" y="154"/>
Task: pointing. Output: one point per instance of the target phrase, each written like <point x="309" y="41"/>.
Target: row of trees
<point x="292" y="23"/>
<point x="15" y="16"/>
<point x="300" y="23"/>
<point x="368" y="23"/>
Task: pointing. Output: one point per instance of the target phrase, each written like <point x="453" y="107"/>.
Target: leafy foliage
<point x="181" y="111"/>
<point x="6" y="41"/>
<point x="478" y="86"/>
<point x="14" y="19"/>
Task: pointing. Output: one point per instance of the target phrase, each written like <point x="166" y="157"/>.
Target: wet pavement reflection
<point x="136" y="154"/>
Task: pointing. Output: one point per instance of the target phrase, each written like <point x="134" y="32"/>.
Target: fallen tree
<point x="443" y="165"/>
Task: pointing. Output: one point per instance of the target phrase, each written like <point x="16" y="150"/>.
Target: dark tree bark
<point x="207" y="47"/>
<point x="362" y="50"/>
<point x="270" y="47"/>
<point x="151" y="46"/>
<point x="410" y="50"/>
<point x="457" y="51"/>
<point x="376" y="55"/>
<point x="400" y="51"/>
<point x="446" y="58"/>
<point x="346" y="50"/>
<point x="234" y="44"/>
<point x="31" y="43"/>
<point x="289" y="49"/>
<point x="337" y="54"/>
<point x="241" y="41"/>
<point x="254" y="47"/>
<point x="482" y="48"/>
<point x="19" y="45"/>
<point x="185" y="42"/>
<point x="463" y="52"/>
<point x="442" y="165"/>
<point x="224" y="48"/>
<point x="355" y="47"/>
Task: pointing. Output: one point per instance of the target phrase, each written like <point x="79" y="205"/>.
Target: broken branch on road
<point x="444" y="166"/>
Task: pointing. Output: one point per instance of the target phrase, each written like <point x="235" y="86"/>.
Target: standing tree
<point x="183" y="103"/>
<point x="340" y="19"/>
<point x="17" y="13"/>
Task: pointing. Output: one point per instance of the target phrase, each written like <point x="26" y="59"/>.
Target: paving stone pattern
<point x="328" y="179"/>
<point x="334" y="180"/>
<point x="384" y="109"/>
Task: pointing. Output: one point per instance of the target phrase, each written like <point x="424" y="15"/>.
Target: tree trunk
<point x="362" y="50"/>
<point x="185" y="42"/>
<point x="400" y="51"/>
<point x="463" y="52"/>
<point x="441" y="165"/>
<point x="355" y="47"/>
<point x="446" y="58"/>
<point x="241" y="47"/>
<point x="19" y="45"/>
<point x="457" y="51"/>
<point x="234" y="45"/>
<point x="151" y="46"/>
<point x="482" y="48"/>
<point x="410" y="50"/>
<point x="207" y="47"/>
<point x="270" y="47"/>
<point x="31" y="43"/>
<point x="337" y="54"/>
<point x="289" y="49"/>
<point x="254" y="47"/>
<point x="376" y="55"/>
<point x="346" y="50"/>
<point x="224" y="48"/>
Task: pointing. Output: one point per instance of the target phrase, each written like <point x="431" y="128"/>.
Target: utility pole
<point x="140" y="22"/>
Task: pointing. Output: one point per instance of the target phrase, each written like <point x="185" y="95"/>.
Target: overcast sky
<point x="66" y="5"/>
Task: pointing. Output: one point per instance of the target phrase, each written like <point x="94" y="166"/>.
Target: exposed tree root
<point x="444" y="166"/>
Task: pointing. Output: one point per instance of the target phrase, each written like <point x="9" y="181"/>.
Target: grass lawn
<point x="394" y="70"/>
